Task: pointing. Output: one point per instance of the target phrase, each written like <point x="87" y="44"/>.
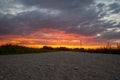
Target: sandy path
<point x="60" y="66"/>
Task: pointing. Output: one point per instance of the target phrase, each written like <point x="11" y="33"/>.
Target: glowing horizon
<point x="53" y="38"/>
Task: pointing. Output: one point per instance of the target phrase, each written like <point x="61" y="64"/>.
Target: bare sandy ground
<point x="60" y="66"/>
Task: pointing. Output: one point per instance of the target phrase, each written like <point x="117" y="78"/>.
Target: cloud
<point x="57" y="4"/>
<point x="114" y="7"/>
<point x="81" y="17"/>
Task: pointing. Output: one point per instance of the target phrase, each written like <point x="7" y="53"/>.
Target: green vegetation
<point x="15" y="49"/>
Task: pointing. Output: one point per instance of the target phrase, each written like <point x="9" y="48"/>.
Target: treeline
<point x="104" y="50"/>
<point x="15" y="49"/>
<point x="62" y="49"/>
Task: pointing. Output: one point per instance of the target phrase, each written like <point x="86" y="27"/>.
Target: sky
<point x="37" y="23"/>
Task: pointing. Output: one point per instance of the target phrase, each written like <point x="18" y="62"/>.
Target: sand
<point x="64" y="65"/>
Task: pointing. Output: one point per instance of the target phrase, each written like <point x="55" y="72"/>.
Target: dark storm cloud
<point x="115" y="7"/>
<point x="77" y="16"/>
<point x="33" y="19"/>
<point x="5" y="25"/>
<point x="59" y="4"/>
<point x="114" y="35"/>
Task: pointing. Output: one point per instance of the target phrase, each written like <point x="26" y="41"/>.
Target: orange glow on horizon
<point x="51" y="37"/>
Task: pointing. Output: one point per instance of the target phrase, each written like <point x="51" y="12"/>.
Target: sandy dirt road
<point x="64" y="65"/>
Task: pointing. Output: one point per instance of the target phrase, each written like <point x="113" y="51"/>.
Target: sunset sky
<point x="35" y="23"/>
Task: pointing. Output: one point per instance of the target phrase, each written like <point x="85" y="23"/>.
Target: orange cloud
<point x="49" y="37"/>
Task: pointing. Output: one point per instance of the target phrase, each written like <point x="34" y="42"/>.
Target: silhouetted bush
<point x="78" y="49"/>
<point x="62" y="49"/>
<point x="47" y="48"/>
